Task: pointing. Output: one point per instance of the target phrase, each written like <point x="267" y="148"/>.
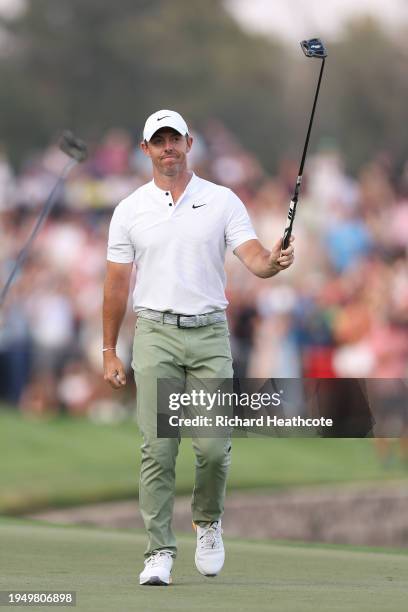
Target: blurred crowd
<point x="340" y="311"/>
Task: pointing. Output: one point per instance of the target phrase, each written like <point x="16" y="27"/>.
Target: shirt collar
<point x="189" y="188"/>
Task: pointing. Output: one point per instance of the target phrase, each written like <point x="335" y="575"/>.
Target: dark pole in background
<point x="75" y="149"/>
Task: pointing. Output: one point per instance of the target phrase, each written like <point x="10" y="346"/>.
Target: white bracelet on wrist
<point x="109" y="348"/>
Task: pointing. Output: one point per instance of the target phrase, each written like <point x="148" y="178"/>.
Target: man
<point x="176" y="229"/>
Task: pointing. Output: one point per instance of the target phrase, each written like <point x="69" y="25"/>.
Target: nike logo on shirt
<point x="198" y="205"/>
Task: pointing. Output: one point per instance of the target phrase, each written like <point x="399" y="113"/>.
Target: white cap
<point x="161" y="119"/>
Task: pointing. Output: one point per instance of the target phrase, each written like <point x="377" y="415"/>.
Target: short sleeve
<point x="120" y="247"/>
<point x="239" y="228"/>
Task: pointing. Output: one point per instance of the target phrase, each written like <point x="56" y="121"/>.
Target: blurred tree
<point x="91" y="65"/>
<point x="366" y="92"/>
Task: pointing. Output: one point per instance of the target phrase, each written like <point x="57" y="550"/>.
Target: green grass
<point x="69" y="461"/>
<point x="102" y="566"/>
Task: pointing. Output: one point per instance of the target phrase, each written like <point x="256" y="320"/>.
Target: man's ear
<point x="145" y="148"/>
<point x="189" y="142"/>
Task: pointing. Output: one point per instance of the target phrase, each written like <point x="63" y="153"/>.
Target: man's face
<point x="168" y="151"/>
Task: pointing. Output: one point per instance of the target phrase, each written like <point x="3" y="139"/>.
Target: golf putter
<point x="77" y="152"/>
<point x="311" y="48"/>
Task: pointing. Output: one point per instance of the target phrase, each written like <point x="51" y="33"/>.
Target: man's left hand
<point x="282" y="258"/>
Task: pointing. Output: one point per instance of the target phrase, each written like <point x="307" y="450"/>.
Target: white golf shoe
<point x="157" y="571"/>
<point x="210" y="554"/>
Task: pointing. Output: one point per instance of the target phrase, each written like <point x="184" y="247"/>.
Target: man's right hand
<point x="114" y="372"/>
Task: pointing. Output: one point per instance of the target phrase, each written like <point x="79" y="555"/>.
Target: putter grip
<point x="289" y="224"/>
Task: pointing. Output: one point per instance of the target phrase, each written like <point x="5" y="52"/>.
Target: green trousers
<point x="186" y="354"/>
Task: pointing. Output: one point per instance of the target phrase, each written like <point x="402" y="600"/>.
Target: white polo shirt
<point x="179" y="249"/>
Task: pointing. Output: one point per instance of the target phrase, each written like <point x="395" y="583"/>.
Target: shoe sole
<point x="156" y="581"/>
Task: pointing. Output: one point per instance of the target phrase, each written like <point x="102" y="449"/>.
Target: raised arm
<point x="115" y="297"/>
<point x="264" y="263"/>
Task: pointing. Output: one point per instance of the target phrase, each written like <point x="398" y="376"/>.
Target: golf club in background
<point x="77" y="151"/>
<point x="311" y="48"/>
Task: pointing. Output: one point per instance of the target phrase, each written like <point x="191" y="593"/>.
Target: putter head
<point x="72" y="146"/>
<point x="314" y="48"/>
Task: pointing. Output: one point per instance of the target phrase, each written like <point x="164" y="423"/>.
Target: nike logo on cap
<point x="199" y="205"/>
<point x="164" y="117"/>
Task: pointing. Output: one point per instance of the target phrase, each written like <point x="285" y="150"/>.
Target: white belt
<point x="183" y="320"/>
